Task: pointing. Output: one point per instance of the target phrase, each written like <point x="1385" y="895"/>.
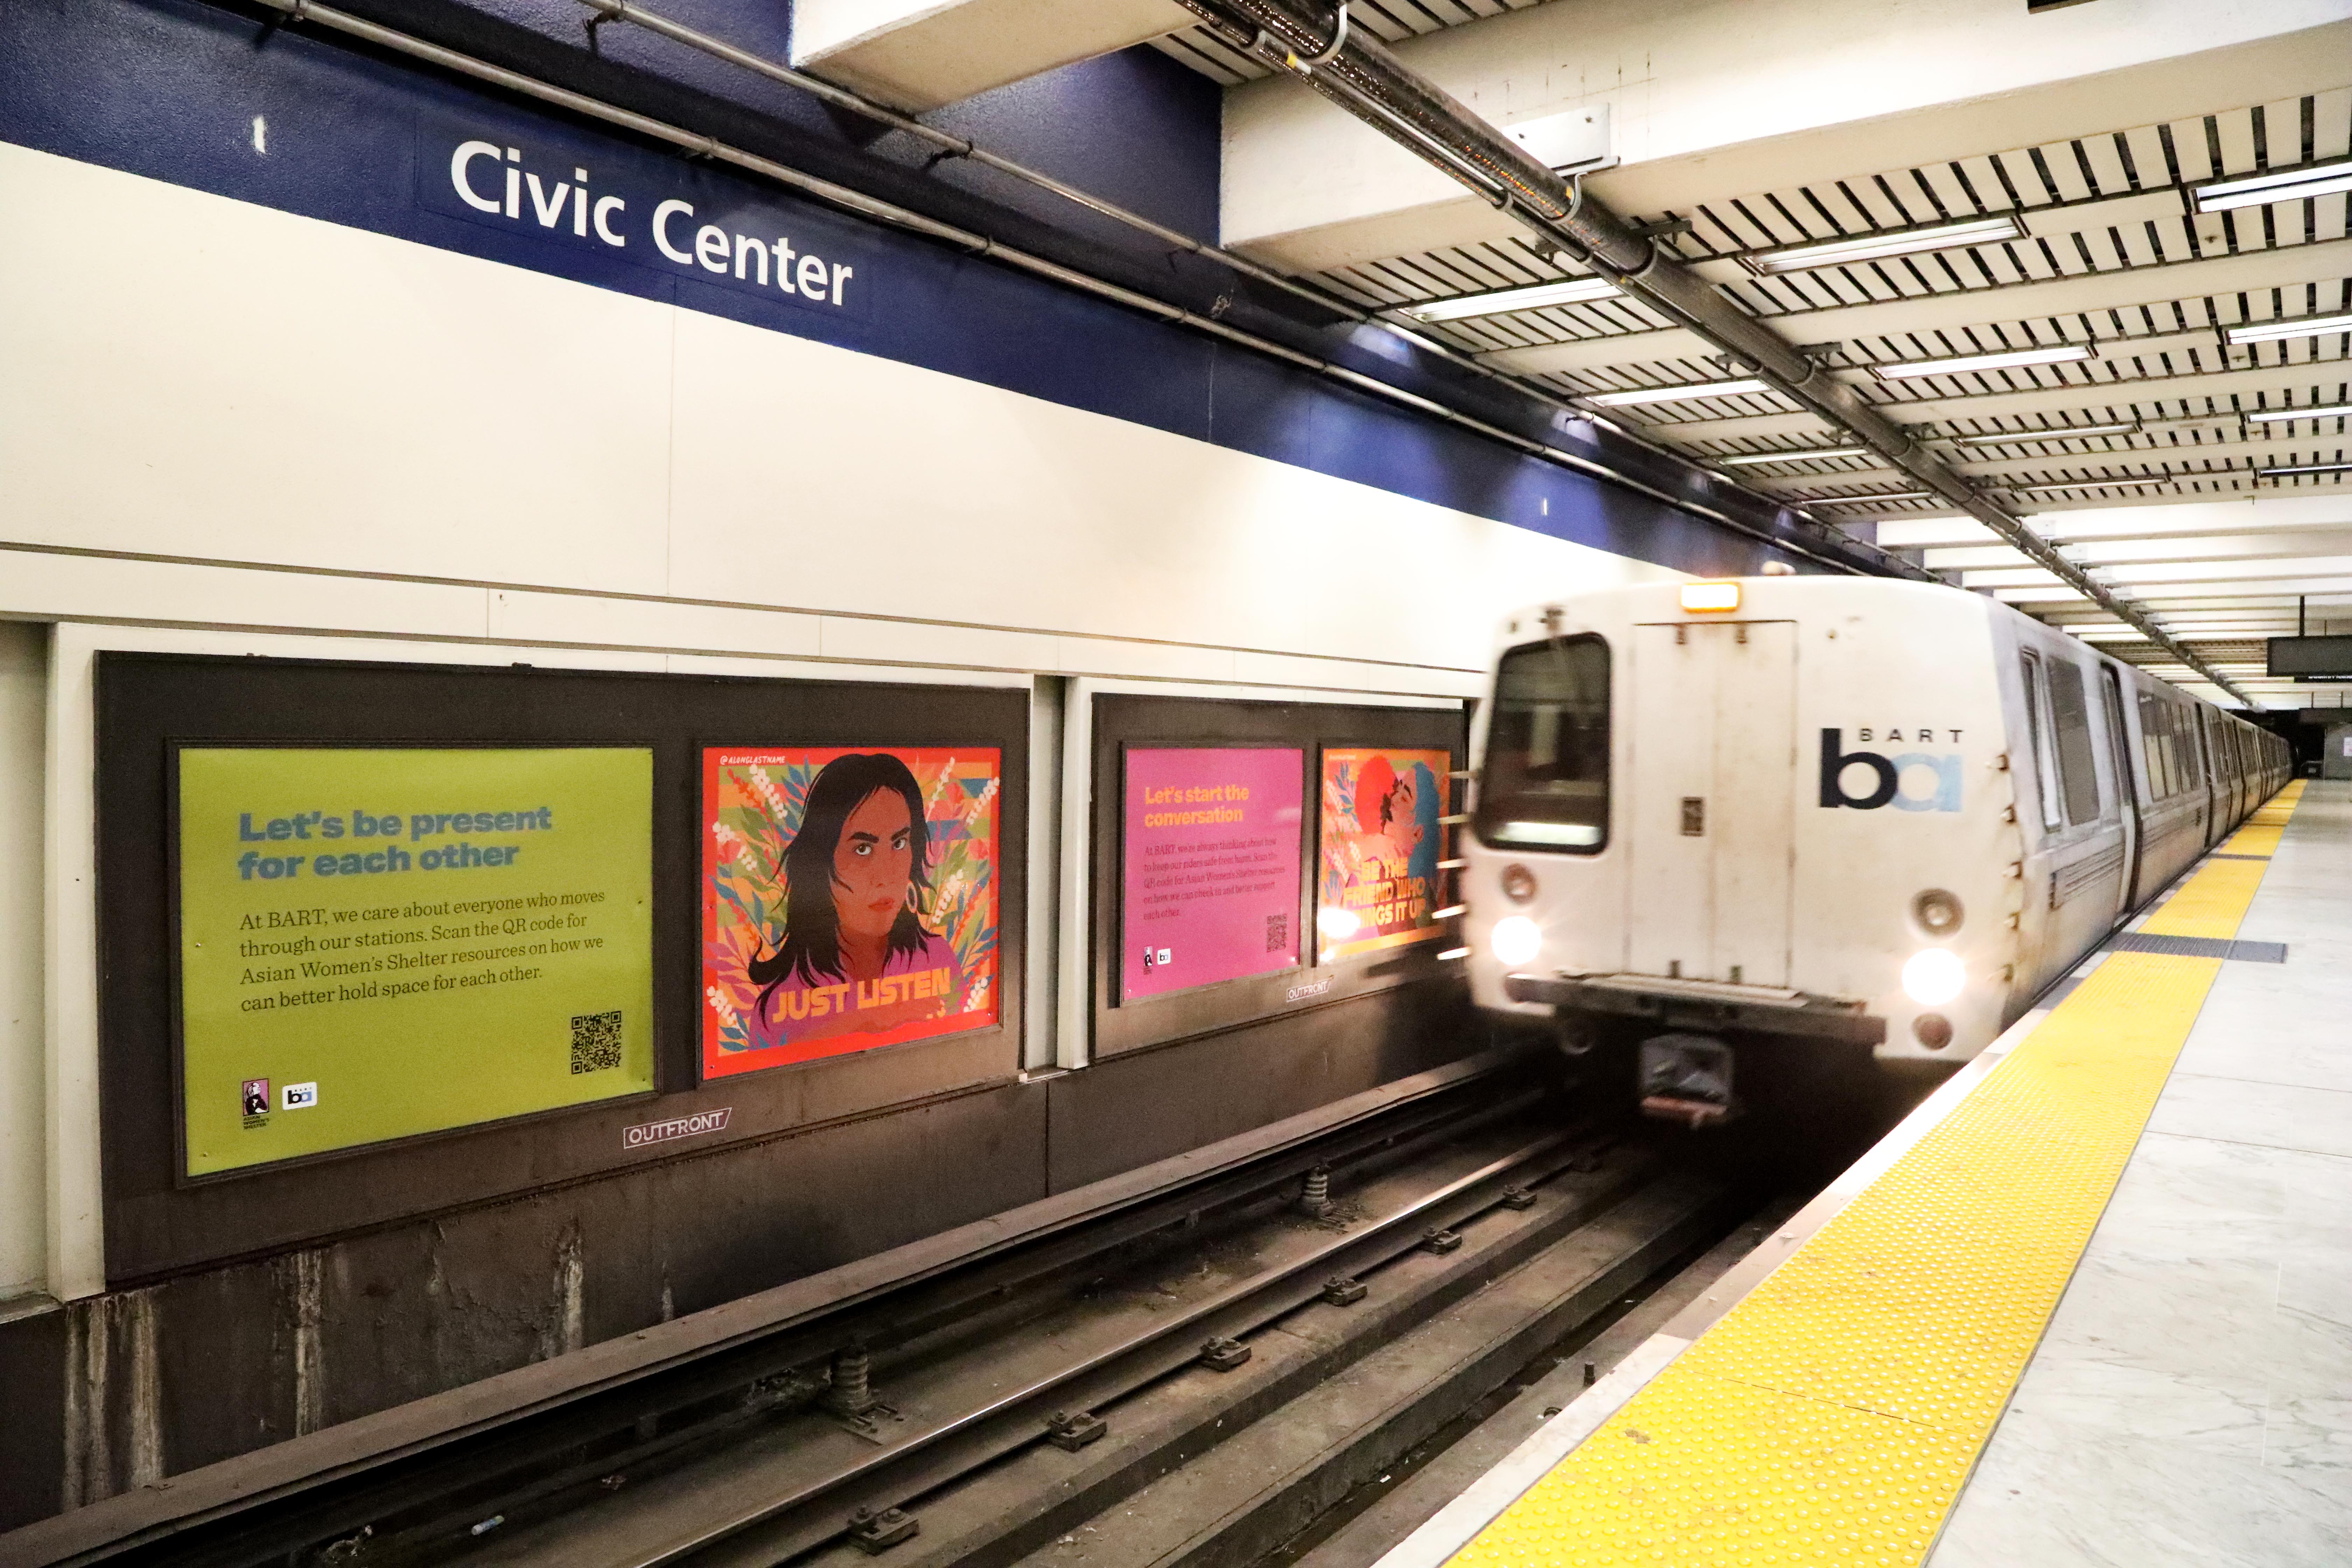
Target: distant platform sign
<point x="405" y="941"/>
<point x="1210" y="885"/>
<point x="2312" y="659"/>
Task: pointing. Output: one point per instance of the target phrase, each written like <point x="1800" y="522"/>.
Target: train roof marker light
<point x="1710" y="598"/>
<point x="1963" y="364"/>
<point x="2295" y="327"/>
<point x="1740" y="388"/>
<point x="2282" y="186"/>
<point x="1879" y="246"/>
<point x="1535" y="297"/>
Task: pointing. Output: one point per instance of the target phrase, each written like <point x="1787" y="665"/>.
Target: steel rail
<point x="377" y="1465"/>
<point x="833" y="93"/>
<point x="1367" y="80"/>
<point x="1111" y="1370"/>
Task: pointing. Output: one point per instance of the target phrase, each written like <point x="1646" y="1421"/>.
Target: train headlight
<point x="1518" y="883"/>
<point x="1933" y="977"/>
<point x="1938" y="913"/>
<point x="1516" y="939"/>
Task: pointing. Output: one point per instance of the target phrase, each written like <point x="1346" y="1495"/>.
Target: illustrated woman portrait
<point x="855" y="955"/>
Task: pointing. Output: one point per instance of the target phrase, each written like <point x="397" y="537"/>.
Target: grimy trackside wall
<point x="297" y="367"/>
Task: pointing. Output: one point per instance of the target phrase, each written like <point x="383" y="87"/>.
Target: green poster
<point x="379" y="943"/>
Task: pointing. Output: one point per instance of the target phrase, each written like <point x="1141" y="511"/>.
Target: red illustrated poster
<point x="1380" y="839"/>
<point x="849" y="900"/>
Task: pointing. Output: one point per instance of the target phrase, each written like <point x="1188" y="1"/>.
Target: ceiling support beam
<point x="1358" y="74"/>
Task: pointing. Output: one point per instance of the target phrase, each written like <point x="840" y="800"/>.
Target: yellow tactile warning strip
<point x="1834" y="1414"/>
<point x="2260" y="833"/>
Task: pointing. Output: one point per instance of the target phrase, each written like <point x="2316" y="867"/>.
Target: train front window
<point x="1545" y="784"/>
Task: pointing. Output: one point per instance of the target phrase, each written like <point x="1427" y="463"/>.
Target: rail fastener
<point x="1221" y="1354"/>
<point x="1517" y="1198"/>
<point x="1440" y="1242"/>
<point x="1341" y="1291"/>
<point x="872" y="1533"/>
<point x="1071" y="1430"/>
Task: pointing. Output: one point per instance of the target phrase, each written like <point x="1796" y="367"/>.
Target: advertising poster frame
<point x="636" y="1043"/>
<point x="1122" y="720"/>
<point x="956" y="887"/>
<point x="156" y="1220"/>
<point x="1130" y="941"/>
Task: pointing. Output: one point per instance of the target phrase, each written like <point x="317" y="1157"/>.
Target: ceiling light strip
<point x="1963" y="365"/>
<point x="1675" y="394"/>
<point x="2284" y="470"/>
<point x="1463" y="307"/>
<point x="2281" y="185"/>
<point x="1809" y="455"/>
<point x="2288" y="416"/>
<point x="1878" y="247"/>
<point x="2072" y="433"/>
<point x="2280" y="332"/>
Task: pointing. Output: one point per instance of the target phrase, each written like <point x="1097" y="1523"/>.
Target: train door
<point x="1714" y="810"/>
<point x="2126" y="785"/>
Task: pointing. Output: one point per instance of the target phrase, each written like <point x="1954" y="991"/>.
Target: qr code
<point x="1277" y="933"/>
<point x="595" y="1041"/>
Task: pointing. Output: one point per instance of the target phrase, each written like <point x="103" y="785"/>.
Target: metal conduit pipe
<point x="1371" y="83"/>
<point x="889" y="212"/>
<point x="628" y="12"/>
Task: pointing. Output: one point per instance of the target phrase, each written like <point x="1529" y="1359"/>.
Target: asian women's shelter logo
<point x="849" y="900"/>
<point x="1380" y="840"/>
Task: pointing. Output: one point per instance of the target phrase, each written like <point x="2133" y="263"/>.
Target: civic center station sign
<point x="698" y="229"/>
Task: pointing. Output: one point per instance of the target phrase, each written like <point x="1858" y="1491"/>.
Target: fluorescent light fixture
<point x="1961" y="365"/>
<point x="2288" y="416"/>
<point x="1869" y="500"/>
<point x="2284" y="470"/>
<point x="1676" y="394"/>
<point x="2299" y="327"/>
<point x="2287" y="185"/>
<point x="1876" y="247"/>
<point x="2063" y="433"/>
<point x="2092" y="484"/>
<point x="1703" y="597"/>
<point x="1567" y="291"/>
<point x="1810" y="454"/>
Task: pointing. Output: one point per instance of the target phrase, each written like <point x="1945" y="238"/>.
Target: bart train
<point x="1842" y="811"/>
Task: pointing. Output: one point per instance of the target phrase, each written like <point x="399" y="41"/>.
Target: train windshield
<point x="1545" y="784"/>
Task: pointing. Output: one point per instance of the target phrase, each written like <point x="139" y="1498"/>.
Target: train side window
<point x="2069" y="710"/>
<point x="1545" y="784"/>
<point x="2152" y="745"/>
<point x="2037" y="726"/>
<point x="2191" y="763"/>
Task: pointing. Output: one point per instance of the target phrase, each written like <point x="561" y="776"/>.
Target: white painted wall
<point x="921" y="54"/>
<point x="24" y="681"/>
<point x="230" y="429"/>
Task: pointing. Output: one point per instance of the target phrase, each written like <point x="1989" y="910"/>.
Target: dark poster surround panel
<point x="1121" y="721"/>
<point x="158" y="1223"/>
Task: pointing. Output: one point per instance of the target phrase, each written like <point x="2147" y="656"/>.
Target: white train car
<point x="1847" y="811"/>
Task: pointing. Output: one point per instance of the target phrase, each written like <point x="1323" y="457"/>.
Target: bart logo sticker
<point x="298" y="1096"/>
<point x="1912" y="780"/>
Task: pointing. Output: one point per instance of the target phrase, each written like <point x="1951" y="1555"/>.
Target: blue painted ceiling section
<point x="170" y="88"/>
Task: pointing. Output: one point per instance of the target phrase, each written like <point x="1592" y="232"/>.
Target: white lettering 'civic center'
<point x="508" y="190"/>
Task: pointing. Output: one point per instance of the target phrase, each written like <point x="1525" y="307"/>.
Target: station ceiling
<point x="2177" y="465"/>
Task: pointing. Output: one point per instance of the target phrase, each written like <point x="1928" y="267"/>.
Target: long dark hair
<point x="812" y="945"/>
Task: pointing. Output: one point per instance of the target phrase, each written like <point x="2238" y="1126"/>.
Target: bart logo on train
<point x="1908" y="781"/>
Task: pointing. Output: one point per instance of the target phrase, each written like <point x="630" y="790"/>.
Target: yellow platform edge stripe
<point x="1836" y="1413"/>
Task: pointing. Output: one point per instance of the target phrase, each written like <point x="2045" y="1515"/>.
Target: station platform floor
<point x="2090" y="1304"/>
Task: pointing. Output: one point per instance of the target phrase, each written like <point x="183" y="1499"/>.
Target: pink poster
<point x="1211" y="857"/>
